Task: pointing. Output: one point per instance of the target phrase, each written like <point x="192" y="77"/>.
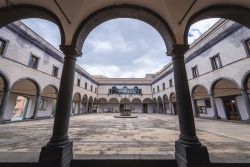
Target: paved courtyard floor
<point x="150" y="136"/>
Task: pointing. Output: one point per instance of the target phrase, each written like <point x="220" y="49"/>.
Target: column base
<point x="56" y="156"/>
<point x="217" y="117"/>
<point x="191" y="155"/>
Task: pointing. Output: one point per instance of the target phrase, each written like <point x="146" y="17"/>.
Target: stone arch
<point x="199" y="92"/>
<point x="147" y="101"/>
<point x="102" y="100"/>
<point x="113" y="101"/>
<point x="4" y="82"/>
<point x="245" y="82"/>
<point x="50" y="91"/>
<point x="14" y="13"/>
<point x="24" y="96"/>
<point x="123" y="11"/>
<point x="165" y="102"/>
<point x="173" y="105"/>
<point x="76" y="103"/>
<point x="28" y="86"/>
<point x="136" y="101"/>
<point x="85" y="103"/>
<point x="228" y="83"/>
<point x="124" y="101"/>
<point x="236" y="13"/>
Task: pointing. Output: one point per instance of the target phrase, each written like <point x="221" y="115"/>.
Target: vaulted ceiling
<point x="176" y="13"/>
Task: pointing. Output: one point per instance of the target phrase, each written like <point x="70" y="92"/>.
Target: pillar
<point x="4" y="104"/>
<point x="196" y="114"/>
<point x="247" y="102"/>
<point x="158" y="108"/>
<point x="189" y="151"/>
<point x="37" y="103"/>
<point x="163" y="107"/>
<point x="212" y="100"/>
<point x="58" y="151"/>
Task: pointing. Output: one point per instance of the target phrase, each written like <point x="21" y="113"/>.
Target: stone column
<point x="58" y="151"/>
<point x="247" y="102"/>
<point x="37" y="103"/>
<point x="4" y="104"/>
<point x="158" y="108"/>
<point x="188" y="149"/>
<point x="163" y="108"/>
<point x="212" y="100"/>
<point x="196" y="114"/>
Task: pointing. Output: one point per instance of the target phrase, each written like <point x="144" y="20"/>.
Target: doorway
<point x="145" y="108"/>
<point x="231" y="109"/>
<point x="20" y="109"/>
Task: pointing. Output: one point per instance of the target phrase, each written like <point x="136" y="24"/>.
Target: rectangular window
<point x="33" y="62"/>
<point x="202" y="109"/>
<point x="86" y="85"/>
<point x="153" y="90"/>
<point x="215" y="62"/>
<point x="208" y="103"/>
<point x="2" y="46"/>
<point x="195" y="72"/>
<point x="163" y="86"/>
<point x="158" y="89"/>
<point x="55" y="71"/>
<point x="91" y="88"/>
<point x="78" y="82"/>
<point x="170" y="83"/>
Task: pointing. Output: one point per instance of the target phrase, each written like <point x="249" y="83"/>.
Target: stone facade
<point x="224" y="44"/>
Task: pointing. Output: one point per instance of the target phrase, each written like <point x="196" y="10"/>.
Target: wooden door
<point x="231" y="109"/>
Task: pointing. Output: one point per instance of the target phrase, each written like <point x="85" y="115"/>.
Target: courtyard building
<point x="210" y="79"/>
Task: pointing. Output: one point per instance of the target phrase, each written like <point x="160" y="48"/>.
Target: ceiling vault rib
<point x="59" y="7"/>
<point x="190" y="7"/>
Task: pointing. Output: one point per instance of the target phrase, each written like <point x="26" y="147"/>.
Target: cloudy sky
<point x="120" y="47"/>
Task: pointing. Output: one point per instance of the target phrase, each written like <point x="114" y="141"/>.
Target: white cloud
<point x="120" y="47"/>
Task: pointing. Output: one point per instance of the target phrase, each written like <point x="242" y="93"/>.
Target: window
<point x="202" y="109"/>
<point x="216" y="62"/>
<point x="247" y="46"/>
<point x="2" y="46"/>
<point x="195" y="72"/>
<point x="43" y="104"/>
<point x="95" y="90"/>
<point x="153" y="90"/>
<point x="78" y="82"/>
<point x="33" y="62"/>
<point x="208" y="103"/>
<point x="55" y="71"/>
<point x="158" y="89"/>
<point x="170" y="83"/>
<point x="91" y="88"/>
<point x="86" y="85"/>
<point x="163" y="86"/>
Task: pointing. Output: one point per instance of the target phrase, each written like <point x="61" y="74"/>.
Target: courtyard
<point x="101" y="136"/>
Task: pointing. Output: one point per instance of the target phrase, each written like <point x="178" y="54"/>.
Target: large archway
<point x="103" y="105"/>
<point x="24" y="99"/>
<point x="226" y="92"/>
<point x="148" y="105"/>
<point x="123" y="11"/>
<point x="232" y="12"/>
<point x="48" y="101"/>
<point x="114" y="105"/>
<point x="14" y="13"/>
<point x="76" y="104"/>
<point x="4" y="94"/>
<point x="136" y="105"/>
<point x="201" y="101"/>
<point x="173" y="105"/>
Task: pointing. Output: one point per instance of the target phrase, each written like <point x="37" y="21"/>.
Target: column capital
<point x="177" y="50"/>
<point x="70" y="50"/>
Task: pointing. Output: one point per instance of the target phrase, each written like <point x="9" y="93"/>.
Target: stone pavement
<point x="150" y="136"/>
